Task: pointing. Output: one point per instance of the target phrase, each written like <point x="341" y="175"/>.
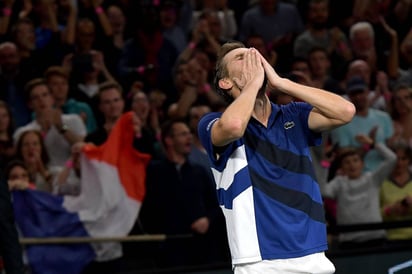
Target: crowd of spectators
<point x="70" y="68"/>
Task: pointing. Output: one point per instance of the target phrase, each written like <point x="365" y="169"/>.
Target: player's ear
<point x="225" y="84"/>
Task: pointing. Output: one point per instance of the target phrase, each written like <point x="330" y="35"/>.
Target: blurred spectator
<point x="205" y="42"/>
<point x="405" y="74"/>
<point x="401" y="113"/>
<point x="273" y="20"/>
<point x="148" y="56"/>
<point x="12" y="80"/>
<point x="111" y="105"/>
<point x="396" y="193"/>
<point x="7" y="148"/>
<point x="398" y="17"/>
<point x="209" y="31"/>
<point x="180" y="199"/>
<point x="10" y="249"/>
<point x="35" y="60"/>
<point x="118" y="22"/>
<point x="146" y="125"/>
<point x="44" y="15"/>
<point x="379" y="94"/>
<point x="320" y="68"/>
<point x="318" y="33"/>
<point x="57" y="79"/>
<point x="198" y="153"/>
<point x="367" y="121"/>
<point x="17" y="175"/>
<point x="357" y="192"/>
<point x="94" y="10"/>
<point x="278" y="23"/>
<point x="86" y="42"/>
<point x="67" y="180"/>
<point x="88" y="70"/>
<point x="169" y="16"/>
<point x="365" y="46"/>
<point x="59" y="130"/>
<point x="257" y="42"/>
<point x="192" y="88"/>
<point x="223" y="12"/>
<point x="30" y="149"/>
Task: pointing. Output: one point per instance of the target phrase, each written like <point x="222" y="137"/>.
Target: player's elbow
<point x="347" y="112"/>
<point x="232" y="129"/>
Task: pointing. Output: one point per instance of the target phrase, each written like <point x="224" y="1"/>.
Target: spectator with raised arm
<point x="57" y="79"/>
<point x="357" y="192"/>
<point x="59" y="131"/>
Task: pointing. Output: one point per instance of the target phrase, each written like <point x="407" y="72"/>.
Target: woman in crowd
<point x="396" y="194"/>
<point x="31" y="150"/>
<point x="17" y="176"/>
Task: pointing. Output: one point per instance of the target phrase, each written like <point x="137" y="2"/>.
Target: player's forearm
<point x="330" y="105"/>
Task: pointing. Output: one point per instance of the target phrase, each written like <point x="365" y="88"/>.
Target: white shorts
<point x="316" y="263"/>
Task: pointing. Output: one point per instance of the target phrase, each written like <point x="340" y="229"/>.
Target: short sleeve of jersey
<point x="205" y="129"/>
<point x="303" y="110"/>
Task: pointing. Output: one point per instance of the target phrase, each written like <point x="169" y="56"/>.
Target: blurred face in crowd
<point x="181" y="139"/>
<point x="352" y="166"/>
<point x="319" y="63"/>
<point x="85" y="35"/>
<point x="41" y="98"/>
<point x="362" y="43"/>
<point x="318" y="14"/>
<point x="215" y="26"/>
<point x="182" y="76"/>
<point x="59" y="88"/>
<point x="18" y="173"/>
<point x="111" y="103"/>
<point x="257" y="43"/>
<point x="402" y="101"/>
<point x="9" y="58"/>
<point x="140" y="105"/>
<point x="25" y="36"/>
<point x="268" y="5"/>
<point x="403" y="161"/>
<point x="41" y="8"/>
<point x="203" y="60"/>
<point x="4" y="119"/>
<point x="359" y="68"/>
<point x="195" y="114"/>
<point x="31" y="147"/>
<point x="301" y="66"/>
<point x="168" y="17"/>
<point x="116" y="19"/>
<point x="360" y="99"/>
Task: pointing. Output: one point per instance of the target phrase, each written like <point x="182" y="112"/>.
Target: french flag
<point x="112" y="191"/>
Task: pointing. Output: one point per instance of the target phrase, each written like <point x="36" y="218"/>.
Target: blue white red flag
<point x="112" y="190"/>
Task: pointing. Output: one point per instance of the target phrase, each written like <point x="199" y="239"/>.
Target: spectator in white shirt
<point x="59" y="130"/>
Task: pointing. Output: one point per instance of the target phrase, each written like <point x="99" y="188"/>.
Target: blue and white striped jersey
<point x="267" y="187"/>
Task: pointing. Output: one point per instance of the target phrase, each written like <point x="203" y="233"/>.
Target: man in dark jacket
<point x="10" y="248"/>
